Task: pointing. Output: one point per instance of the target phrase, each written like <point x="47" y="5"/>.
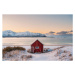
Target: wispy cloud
<point x="51" y="32"/>
<point x="71" y="31"/>
<point x="62" y="33"/>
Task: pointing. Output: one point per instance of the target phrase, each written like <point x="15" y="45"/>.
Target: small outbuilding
<point x="37" y="46"/>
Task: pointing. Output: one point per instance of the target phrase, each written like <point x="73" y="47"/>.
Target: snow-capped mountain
<point x="9" y="33"/>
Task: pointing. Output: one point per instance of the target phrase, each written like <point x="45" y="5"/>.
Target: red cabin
<point x="37" y="46"/>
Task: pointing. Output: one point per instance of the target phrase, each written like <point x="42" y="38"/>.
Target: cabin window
<point x="37" y="47"/>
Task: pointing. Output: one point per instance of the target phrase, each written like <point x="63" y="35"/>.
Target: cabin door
<point x="32" y="49"/>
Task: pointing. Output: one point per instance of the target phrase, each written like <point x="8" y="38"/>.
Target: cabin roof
<point x="36" y="41"/>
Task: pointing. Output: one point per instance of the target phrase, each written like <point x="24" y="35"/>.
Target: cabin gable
<point x="37" y="46"/>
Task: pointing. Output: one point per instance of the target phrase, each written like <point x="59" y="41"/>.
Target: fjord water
<point x="56" y="40"/>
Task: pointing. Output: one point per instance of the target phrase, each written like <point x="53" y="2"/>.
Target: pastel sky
<point x="37" y="23"/>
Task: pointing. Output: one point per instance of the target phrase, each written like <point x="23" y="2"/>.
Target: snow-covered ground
<point x="59" y="53"/>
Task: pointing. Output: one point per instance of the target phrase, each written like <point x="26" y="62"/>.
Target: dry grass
<point x="70" y="54"/>
<point x="58" y="48"/>
<point x="8" y="49"/>
<point x="26" y="57"/>
<point x="64" y="55"/>
<point x="65" y="51"/>
<point x="29" y="56"/>
<point x="71" y="58"/>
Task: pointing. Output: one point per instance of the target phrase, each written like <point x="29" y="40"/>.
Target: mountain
<point x="9" y="33"/>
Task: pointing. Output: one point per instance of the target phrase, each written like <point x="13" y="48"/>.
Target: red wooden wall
<point x="37" y="43"/>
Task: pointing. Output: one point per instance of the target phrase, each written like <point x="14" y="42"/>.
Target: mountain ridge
<point x="9" y="33"/>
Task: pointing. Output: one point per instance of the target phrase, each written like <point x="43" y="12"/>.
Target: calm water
<point x="57" y="40"/>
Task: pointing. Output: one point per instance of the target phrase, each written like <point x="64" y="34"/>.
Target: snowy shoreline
<point x="59" y="53"/>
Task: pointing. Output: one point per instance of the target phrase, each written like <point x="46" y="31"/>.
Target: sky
<point x="53" y="24"/>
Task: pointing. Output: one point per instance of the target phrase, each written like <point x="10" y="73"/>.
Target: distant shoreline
<point x="43" y="45"/>
<point x="23" y="36"/>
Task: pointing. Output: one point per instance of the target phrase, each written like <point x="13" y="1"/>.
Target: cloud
<point x="62" y="33"/>
<point x="65" y="33"/>
<point x="51" y="33"/>
<point x="71" y="31"/>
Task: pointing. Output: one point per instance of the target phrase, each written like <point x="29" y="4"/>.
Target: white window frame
<point x="37" y="48"/>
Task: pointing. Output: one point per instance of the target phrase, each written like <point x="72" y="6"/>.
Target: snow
<point x="57" y="53"/>
<point x="8" y="33"/>
<point x="70" y="48"/>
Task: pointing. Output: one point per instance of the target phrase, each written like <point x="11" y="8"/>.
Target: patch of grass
<point x="70" y="54"/>
<point x="29" y="56"/>
<point x="71" y="58"/>
<point x="8" y="49"/>
<point x="26" y="57"/>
